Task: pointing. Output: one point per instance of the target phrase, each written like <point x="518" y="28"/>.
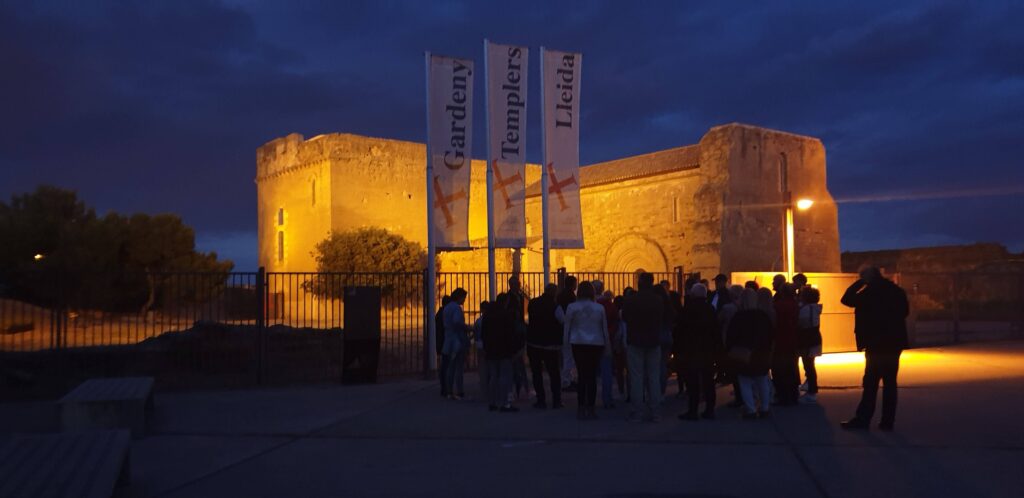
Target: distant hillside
<point x="979" y="257"/>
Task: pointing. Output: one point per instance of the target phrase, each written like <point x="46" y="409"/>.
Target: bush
<point x="367" y="257"/>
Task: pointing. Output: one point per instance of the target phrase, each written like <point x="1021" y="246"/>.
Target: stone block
<point x="116" y="403"/>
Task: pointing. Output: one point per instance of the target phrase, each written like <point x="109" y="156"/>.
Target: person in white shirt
<point x="809" y="339"/>
<point x="586" y="330"/>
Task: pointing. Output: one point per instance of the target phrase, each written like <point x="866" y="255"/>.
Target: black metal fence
<point x="69" y="314"/>
<point x="312" y="303"/>
<point x="223" y="329"/>
<point x="250" y="328"/>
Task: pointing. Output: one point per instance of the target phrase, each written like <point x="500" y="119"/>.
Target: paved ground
<point x="958" y="434"/>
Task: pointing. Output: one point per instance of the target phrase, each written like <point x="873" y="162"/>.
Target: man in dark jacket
<point x="880" y="312"/>
<point x="644" y="314"/>
<point x="544" y="347"/>
<point x="785" y="371"/>
<point x="442" y="367"/>
<point x="697" y="344"/>
<point x="501" y="342"/>
<point x="565" y="297"/>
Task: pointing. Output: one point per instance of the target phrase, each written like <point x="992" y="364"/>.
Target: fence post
<point x="428" y="320"/>
<point x="912" y="315"/>
<point x="261" y="322"/>
<point x="53" y="328"/>
<point x="1020" y="304"/>
<point x="679" y="279"/>
<point x="956" y="308"/>
<point x="62" y="313"/>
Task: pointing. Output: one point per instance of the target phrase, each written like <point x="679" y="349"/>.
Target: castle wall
<point x="632" y="224"/>
<point x="711" y="207"/>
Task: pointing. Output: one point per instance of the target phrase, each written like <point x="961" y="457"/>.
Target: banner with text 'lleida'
<point x="560" y="75"/>
<point x="506" y="114"/>
<point x="450" y="114"/>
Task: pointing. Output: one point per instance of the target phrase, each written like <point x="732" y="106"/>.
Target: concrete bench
<point x="72" y="464"/>
<point x="115" y="403"/>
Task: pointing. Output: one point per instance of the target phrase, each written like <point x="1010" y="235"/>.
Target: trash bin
<point x="361" y="335"/>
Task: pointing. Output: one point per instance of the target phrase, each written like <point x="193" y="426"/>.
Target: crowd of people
<point x="753" y="338"/>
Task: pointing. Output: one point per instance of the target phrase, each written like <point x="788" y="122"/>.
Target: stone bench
<point x="71" y="464"/>
<point x="115" y="403"/>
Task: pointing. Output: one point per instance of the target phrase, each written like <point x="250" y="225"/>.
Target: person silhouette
<point x="880" y="312"/>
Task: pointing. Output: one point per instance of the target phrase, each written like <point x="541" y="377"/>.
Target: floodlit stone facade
<point x="716" y="206"/>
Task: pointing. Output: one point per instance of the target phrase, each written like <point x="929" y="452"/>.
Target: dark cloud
<point x="159" y="106"/>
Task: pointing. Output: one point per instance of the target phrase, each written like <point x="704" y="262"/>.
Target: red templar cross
<point x="504" y="183"/>
<point x="557" y="186"/>
<point x="444" y="201"/>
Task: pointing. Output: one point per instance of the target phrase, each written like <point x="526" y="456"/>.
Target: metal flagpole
<point x="544" y="176"/>
<point x="491" y="279"/>
<point x="430" y="300"/>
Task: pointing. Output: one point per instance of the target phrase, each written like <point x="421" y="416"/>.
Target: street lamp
<point x="38" y="257"/>
<point x="803" y="205"/>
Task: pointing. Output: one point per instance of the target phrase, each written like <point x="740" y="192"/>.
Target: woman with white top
<point x="586" y="330"/>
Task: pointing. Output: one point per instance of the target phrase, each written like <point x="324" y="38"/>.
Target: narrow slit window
<point x="280" y="216"/>
<point x="280" y="246"/>
<point x="783" y="173"/>
<point x="312" y="184"/>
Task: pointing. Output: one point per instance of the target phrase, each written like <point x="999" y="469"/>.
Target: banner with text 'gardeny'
<point x="560" y="75"/>
<point x="506" y="125"/>
<point x="450" y="116"/>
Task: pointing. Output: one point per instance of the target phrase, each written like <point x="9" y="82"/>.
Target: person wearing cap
<point x="720" y="297"/>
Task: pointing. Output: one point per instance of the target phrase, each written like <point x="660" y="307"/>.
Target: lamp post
<point x="802" y="205"/>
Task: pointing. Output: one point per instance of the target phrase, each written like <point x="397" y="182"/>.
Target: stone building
<point x="715" y="206"/>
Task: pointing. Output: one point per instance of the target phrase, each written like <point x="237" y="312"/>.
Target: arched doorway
<point x="634" y="252"/>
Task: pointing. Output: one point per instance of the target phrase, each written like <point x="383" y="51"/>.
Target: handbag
<point x="740" y="354"/>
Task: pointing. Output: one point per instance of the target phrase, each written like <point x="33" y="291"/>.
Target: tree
<point x="162" y="243"/>
<point x="366" y="256"/>
<point x="109" y="263"/>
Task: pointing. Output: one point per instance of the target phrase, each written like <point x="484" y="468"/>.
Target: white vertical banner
<point x="560" y="79"/>
<point x="450" y="147"/>
<point x="506" y="141"/>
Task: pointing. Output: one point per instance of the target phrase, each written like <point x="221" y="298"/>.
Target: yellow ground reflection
<point x="931" y="366"/>
<point x="857" y="358"/>
<point x="840" y="359"/>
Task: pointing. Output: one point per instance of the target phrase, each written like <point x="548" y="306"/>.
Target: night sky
<point x="159" y="106"/>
